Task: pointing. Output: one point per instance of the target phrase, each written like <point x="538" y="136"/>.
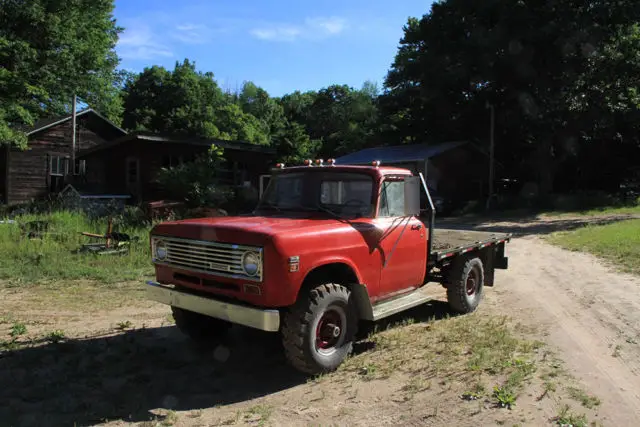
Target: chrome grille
<point x="222" y="259"/>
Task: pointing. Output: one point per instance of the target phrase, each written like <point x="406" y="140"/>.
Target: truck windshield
<point x="335" y="193"/>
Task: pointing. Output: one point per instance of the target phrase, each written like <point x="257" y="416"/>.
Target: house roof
<point x="204" y="142"/>
<point x="398" y="153"/>
<point x="43" y="124"/>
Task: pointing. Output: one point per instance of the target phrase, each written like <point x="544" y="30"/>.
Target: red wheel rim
<point x="471" y="283"/>
<point x="329" y="330"/>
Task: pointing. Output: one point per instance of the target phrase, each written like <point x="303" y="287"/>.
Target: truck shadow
<point x="126" y="376"/>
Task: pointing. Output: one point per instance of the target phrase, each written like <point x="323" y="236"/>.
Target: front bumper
<point x="263" y="319"/>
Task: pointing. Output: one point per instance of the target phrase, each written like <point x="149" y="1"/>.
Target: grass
<point x="567" y="418"/>
<point x="618" y="243"/>
<point x="461" y="351"/>
<point x="579" y="395"/>
<point x="54" y="257"/>
<point x="603" y="211"/>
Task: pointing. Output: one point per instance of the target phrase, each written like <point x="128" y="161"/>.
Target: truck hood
<point x="243" y="229"/>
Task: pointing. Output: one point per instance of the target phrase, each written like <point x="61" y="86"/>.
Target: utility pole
<point x="73" y="135"/>
<point x="491" y="154"/>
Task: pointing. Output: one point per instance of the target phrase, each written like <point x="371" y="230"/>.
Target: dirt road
<point x="590" y="313"/>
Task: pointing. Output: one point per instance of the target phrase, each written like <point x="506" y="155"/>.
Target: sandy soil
<point x="591" y="315"/>
<point x="126" y="362"/>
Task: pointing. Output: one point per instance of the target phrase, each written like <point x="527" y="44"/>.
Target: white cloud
<point x="279" y="33"/>
<point x="313" y="28"/>
<point x="139" y="42"/>
<point x="192" y="33"/>
<point x="328" y="26"/>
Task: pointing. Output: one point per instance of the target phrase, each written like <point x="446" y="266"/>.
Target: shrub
<point x="197" y="183"/>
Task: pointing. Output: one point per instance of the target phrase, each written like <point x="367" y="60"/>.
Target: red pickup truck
<point x="327" y="249"/>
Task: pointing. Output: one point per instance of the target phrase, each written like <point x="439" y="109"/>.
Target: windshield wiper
<point x="268" y="204"/>
<point x="329" y="211"/>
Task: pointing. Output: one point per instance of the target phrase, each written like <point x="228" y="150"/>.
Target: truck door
<point x="402" y="245"/>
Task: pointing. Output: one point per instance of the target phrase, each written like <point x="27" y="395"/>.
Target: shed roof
<point x="43" y="124"/>
<point x="152" y="138"/>
<point x="398" y="153"/>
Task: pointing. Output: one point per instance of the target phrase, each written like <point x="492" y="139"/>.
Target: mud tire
<point x="465" y="284"/>
<point x="304" y="346"/>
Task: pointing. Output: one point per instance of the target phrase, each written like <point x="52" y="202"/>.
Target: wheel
<point x="200" y="328"/>
<point x="318" y="331"/>
<point x="465" y="285"/>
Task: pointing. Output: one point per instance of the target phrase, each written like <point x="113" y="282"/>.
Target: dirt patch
<point x="131" y="366"/>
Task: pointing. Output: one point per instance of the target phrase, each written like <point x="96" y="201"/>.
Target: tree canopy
<point x="51" y="50"/>
<point x="563" y="77"/>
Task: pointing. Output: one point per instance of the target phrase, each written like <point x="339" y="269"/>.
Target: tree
<point x="340" y="118"/>
<point x="51" y="50"/>
<point x="197" y="182"/>
<point x="186" y="102"/>
<point x="534" y="61"/>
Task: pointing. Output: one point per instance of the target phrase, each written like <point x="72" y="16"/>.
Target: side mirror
<point x="412" y="196"/>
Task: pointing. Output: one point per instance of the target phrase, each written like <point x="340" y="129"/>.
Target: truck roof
<point x="373" y="170"/>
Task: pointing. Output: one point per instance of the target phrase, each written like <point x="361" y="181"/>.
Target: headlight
<point x="161" y="250"/>
<point x="251" y="263"/>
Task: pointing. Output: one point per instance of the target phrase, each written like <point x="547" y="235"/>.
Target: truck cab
<point x="326" y="249"/>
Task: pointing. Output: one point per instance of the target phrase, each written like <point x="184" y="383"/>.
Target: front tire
<point x="200" y="328"/>
<point x="465" y="285"/>
<point x="318" y="331"/>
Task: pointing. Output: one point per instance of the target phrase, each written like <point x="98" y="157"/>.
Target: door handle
<point x="416" y="227"/>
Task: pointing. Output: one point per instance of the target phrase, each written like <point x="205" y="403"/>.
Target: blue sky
<point x="281" y="45"/>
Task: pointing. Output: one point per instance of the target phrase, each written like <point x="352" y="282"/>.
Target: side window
<point x="392" y="199"/>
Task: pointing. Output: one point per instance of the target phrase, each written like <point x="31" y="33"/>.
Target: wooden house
<point x="130" y="164"/>
<point x="44" y="168"/>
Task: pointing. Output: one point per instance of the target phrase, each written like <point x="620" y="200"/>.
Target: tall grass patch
<point x="618" y="243"/>
<point x="55" y="255"/>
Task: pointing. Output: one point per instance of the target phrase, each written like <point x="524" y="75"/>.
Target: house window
<point x="57" y="166"/>
<point x="80" y="167"/>
<point x="169" y="162"/>
<point x="392" y="199"/>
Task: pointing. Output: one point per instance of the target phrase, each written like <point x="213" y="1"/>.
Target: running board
<point x="397" y="305"/>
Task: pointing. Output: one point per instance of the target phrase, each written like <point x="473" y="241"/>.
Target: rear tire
<point x="200" y="328"/>
<point x="465" y="284"/>
<point x="318" y="331"/>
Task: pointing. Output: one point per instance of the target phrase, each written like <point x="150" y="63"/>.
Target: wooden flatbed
<point x="448" y="243"/>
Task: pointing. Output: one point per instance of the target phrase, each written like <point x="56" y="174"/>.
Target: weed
<point x="9" y="345"/>
<point x="263" y="412"/>
<point x="616" y="350"/>
<point x="567" y="418"/>
<point x="124" y="325"/>
<point x="581" y="396"/>
<point x="170" y="419"/>
<point x="18" y="329"/>
<point x="195" y="414"/>
<point x="505" y="397"/>
<point x="55" y="336"/>
<point x="477" y="392"/>
<point x="415" y="385"/>
<point x="368" y="371"/>
<point x="549" y="387"/>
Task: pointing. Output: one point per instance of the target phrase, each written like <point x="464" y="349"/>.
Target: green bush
<point x="197" y="183"/>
